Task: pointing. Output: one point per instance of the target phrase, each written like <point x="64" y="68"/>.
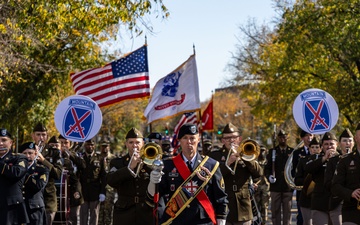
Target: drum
<point x="63" y="201"/>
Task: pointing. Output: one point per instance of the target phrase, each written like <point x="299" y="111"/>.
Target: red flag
<point x="125" y="78"/>
<point x="207" y="117"/>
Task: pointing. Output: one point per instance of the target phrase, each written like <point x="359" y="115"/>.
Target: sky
<point x="211" y="26"/>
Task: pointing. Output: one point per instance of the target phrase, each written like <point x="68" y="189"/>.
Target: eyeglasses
<point x="230" y="138"/>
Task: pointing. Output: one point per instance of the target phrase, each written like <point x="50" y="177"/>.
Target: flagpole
<point x="212" y="118"/>
<point x="194" y="48"/>
<point x="200" y="128"/>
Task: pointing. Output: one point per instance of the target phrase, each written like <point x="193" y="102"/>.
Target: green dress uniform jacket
<point x="334" y="201"/>
<point x="12" y="175"/>
<point x="347" y="179"/>
<point x="237" y="185"/>
<point x="302" y="179"/>
<point x="35" y="181"/>
<point x="93" y="177"/>
<point x="280" y="160"/>
<point x="130" y="208"/>
<point x="73" y="163"/>
<point x="53" y="163"/>
<point x="320" y="196"/>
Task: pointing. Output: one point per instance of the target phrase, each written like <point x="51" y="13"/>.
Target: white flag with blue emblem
<point x="177" y="92"/>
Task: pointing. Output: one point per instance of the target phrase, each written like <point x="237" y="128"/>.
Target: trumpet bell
<point x="249" y="150"/>
<point x="149" y="152"/>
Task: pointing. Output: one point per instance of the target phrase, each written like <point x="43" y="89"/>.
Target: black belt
<point x="135" y="199"/>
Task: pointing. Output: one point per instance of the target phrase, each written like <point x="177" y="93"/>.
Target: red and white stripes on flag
<point x="126" y="78"/>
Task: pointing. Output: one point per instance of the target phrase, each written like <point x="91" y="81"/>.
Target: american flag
<point x="126" y="78"/>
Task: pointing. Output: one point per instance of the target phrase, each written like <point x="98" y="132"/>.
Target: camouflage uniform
<point x="107" y="206"/>
<point x="262" y="193"/>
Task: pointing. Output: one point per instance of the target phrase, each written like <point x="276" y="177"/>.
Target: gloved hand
<point x="272" y="179"/>
<point x="155" y="178"/>
<point x="220" y="222"/>
<point x="101" y="197"/>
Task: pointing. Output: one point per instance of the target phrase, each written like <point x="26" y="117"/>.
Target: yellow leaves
<point x="2" y="29"/>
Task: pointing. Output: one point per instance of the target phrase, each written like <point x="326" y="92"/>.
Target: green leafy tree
<point x="42" y="41"/>
<point x="313" y="45"/>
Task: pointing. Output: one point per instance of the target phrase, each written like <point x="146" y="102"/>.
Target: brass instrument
<point x="248" y="150"/>
<point x="148" y="153"/>
<point x="288" y="167"/>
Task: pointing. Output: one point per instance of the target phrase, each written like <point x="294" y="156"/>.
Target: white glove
<point x="155" y="178"/>
<point x="101" y="197"/>
<point x="272" y="179"/>
<point x="220" y="222"/>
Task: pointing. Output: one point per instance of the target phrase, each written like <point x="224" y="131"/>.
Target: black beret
<point x="328" y="136"/>
<point x="282" y="133"/>
<point x="134" y="133"/>
<point x="4" y="132"/>
<point x="187" y="128"/>
<point x="27" y="145"/>
<point x="314" y="141"/>
<point x="230" y="128"/>
<point x="346" y="133"/>
<point x="54" y="139"/>
<point x="303" y="133"/>
<point x="40" y="128"/>
<point x="155" y="135"/>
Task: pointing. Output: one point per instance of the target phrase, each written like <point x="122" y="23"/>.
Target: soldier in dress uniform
<point x="346" y="142"/>
<point x="236" y="184"/>
<point x="194" y="183"/>
<point x="35" y="181"/>
<point x="107" y="206"/>
<point x="316" y="167"/>
<point x="93" y="182"/>
<point x="207" y="147"/>
<point x="262" y="187"/>
<point x="130" y="208"/>
<point x="50" y="158"/>
<point x="346" y="183"/>
<point x="13" y="169"/>
<point x="155" y="137"/>
<point x="280" y="193"/>
<point x="301" y="152"/>
<point x="167" y="149"/>
<point x="303" y="179"/>
<point x="72" y="163"/>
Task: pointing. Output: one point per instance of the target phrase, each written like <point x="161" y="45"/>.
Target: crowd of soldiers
<point x="212" y="185"/>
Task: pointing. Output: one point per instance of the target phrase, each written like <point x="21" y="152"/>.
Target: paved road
<point x="293" y="212"/>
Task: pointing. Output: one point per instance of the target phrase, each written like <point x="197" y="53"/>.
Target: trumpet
<point x="148" y="154"/>
<point x="248" y="150"/>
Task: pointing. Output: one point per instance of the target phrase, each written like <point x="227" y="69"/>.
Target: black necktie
<point x="189" y="165"/>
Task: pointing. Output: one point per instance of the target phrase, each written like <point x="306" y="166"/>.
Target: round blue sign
<point x="78" y="118"/>
<point x="315" y="111"/>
